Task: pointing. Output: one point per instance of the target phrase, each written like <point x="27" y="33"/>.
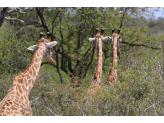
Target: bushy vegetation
<point x="139" y="87"/>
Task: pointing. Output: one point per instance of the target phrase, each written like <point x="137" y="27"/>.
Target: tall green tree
<point x="71" y="27"/>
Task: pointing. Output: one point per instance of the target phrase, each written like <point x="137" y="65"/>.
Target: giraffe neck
<point x="114" y="59"/>
<point x="112" y="75"/>
<point x="98" y="70"/>
<point x="99" y="59"/>
<point x="96" y="81"/>
<point x="24" y="81"/>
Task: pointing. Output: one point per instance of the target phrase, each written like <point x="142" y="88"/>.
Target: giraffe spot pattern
<point x="19" y="89"/>
<point x="96" y="81"/>
<point x="21" y="82"/>
<point x="13" y="108"/>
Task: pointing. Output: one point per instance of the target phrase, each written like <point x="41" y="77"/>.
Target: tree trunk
<point x="78" y="50"/>
<point x="58" y="68"/>
<point x="89" y="63"/>
<point x="3" y="14"/>
<point x="52" y="37"/>
<point x="85" y="59"/>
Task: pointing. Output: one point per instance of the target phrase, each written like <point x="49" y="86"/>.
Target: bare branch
<point x="34" y="99"/>
<point x="80" y="109"/>
<point x="89" y="63"/>
<point x="105" y="10"/>
<point x="9" y="19"/>
<point x="110" y="16"/>
<point x="152" y="106"/>
<point x="159" y="70"/>
<point x="130" y="44"/>
<point x="4" y="13"/>
<point x="16" y="10"/>
<point x="54" y="20"/>
<point x="77" y="106"/>
<point x="50" y="110"/>
<point x="123" y="16"/>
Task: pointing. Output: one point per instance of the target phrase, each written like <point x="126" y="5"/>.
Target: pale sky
<point x="160" y="13"/>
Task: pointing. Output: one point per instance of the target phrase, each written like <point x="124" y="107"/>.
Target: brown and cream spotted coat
<point x="96" y="81"/>
<point x="112" y="75"/>
<point x="16" y="101"/>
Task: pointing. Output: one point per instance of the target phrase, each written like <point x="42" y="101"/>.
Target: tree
<point x="4" y="12"/>
<point x="72" y="27"/>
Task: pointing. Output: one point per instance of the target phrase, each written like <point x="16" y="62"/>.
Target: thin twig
<point x="77" y="106"/>
<point x="152" y="106"/>
<point x="123" y="17"/>
<point x="156" y="60"/>
<point x="34" y="99"/>
<point x="105" y="11"/>
<point x="50" y="110"/>
<point x="80" y="109"/>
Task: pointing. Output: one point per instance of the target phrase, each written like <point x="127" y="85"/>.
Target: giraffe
<point x="16" y="101"/>
<point x="112" y="75"/>
<point x="96" y="81"/>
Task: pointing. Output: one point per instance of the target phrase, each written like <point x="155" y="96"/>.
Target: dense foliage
<point x="60" y="89"/>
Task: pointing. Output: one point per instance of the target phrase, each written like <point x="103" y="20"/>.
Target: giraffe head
<point x="101" y="35"/>
<point x="116" y="36"/>
<point x="45" y="47"/>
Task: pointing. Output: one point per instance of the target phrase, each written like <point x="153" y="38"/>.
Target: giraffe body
<point x="16" y="101"/>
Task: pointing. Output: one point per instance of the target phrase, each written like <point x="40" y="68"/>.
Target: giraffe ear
<point x="33" y="47"/>
<point x="51" y="44"/>
<point x="92" y="39"/>
<point x="106" y="38"/>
